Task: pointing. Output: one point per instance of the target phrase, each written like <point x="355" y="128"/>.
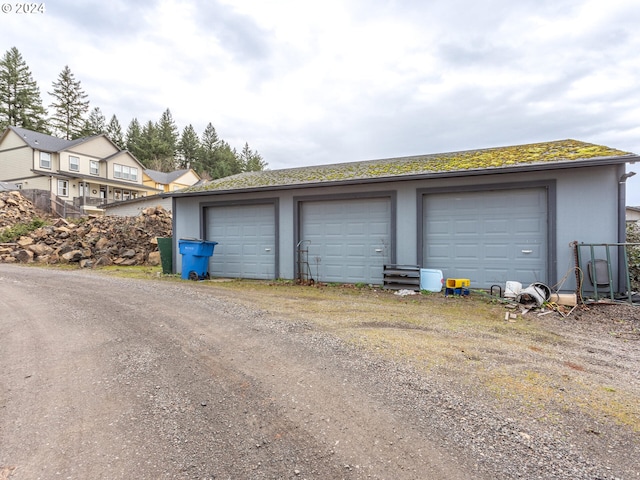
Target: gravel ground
<point x="104" y="377"/>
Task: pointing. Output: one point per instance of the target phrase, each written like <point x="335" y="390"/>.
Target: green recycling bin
<point x="165" y="246"/>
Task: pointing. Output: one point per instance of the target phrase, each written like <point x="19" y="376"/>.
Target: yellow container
<point x="457" y="282"/>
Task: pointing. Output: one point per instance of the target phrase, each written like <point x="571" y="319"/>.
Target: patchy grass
<point x="136" y="271"/>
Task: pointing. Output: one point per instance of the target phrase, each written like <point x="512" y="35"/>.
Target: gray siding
<point x="584" y="209"/>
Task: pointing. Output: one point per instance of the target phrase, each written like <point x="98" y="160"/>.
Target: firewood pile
<point x="89" y="242"/>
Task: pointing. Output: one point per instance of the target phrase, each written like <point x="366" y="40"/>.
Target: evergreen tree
<point x="134" y="140"/>
<point x="188" y="149"/>
<point x="226" y="161"/>
<point x="20" y="102"/>
<point x="209" y="137"/>
<point x="70" y="105"/>
<point x="149" y="146"/>
<point x="114" y="132"/>
<point x="168" y="141"/>
<point x="96" y="124"/>
<point x="251" y="161"/>
<point x="206" y="156"/>
<point x="217" y="159"/>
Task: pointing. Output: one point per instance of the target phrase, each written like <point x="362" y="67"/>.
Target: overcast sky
<point x="307" y="83"/>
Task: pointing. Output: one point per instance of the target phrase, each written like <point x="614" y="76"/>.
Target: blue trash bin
<point x="195" y="258"/>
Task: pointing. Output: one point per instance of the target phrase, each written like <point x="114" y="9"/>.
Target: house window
<point x="117" y="194"/>
<point x="126" y="195"/>
<point x="93" y="168"/>
<point x="63" y="188"/>
<point x="74" y="164"/>
<point x="45" y="160"/>
<point x="124" y="172"/>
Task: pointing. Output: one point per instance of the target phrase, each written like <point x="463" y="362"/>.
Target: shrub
<point x="633" y="253"/>
<point x="19" y="229"/>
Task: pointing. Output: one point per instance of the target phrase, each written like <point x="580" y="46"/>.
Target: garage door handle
<point x="378" y="250"/>
<point x="527" y="251"/>
<point x="267" y="249"/>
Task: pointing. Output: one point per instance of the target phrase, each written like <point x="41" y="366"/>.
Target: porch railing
<point x="89" y="201"/>
<point x="50" y="203"/>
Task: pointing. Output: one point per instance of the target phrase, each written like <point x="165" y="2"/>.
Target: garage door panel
<point x="466" y="251"/>
<point x="378" y="228"/>
<point x="487" y="236"/>
<point x="356" y="228"/>
<point x="526" y="276"/>
<point x="358" y="250"/>
<point x="250" y="230"/>
<point x="496" y="226"/>
<point x="350" y="238"/>
<point x="439" y="227"/>
<point x="498" y="251"/>
<point x="356" y="271"/>
<point x="227" y="250"/>
<point x="441" y="251"/>
<point x="334" y="229"/>
<point x="465" y="226"/>
<point x="524" y="225"/>
<point x="249" y="250"/>
<point x="494" y="276"/>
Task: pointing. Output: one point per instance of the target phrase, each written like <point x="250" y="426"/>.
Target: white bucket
<point x="512" y="289"/>
<point x="431" y="280"/>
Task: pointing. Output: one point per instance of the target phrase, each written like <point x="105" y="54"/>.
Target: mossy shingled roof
<point x="471" y="160"/>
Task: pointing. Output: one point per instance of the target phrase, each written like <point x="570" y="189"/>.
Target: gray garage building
<point x="491" y="215"/>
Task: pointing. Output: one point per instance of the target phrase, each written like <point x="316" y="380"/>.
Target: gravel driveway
<point x="113" y="378"/>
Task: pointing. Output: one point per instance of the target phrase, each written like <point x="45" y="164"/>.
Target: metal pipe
<point x="594" y="272"/>
<point x="611" y="287"/>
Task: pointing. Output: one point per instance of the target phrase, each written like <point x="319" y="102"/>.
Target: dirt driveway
<point x="113" y="378"/>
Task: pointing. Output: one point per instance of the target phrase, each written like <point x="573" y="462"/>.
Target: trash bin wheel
<point x="193" y="275"/>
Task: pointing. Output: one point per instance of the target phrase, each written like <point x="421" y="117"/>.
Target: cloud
<point x="100" y="21"/>
<point x="317" y="82"/>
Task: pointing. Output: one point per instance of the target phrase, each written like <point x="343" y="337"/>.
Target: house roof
<point x="166" y="177"/>
<point x="48" y="143"/>
<point x="44" y="142"/>
<point x="537" y="156"/>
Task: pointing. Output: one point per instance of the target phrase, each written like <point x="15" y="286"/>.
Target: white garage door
<point x="488" y="237"/>
<point x="246" y="241"/>
<point x="348" y="241"/>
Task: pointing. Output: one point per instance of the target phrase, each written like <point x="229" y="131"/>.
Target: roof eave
<point x="530" y="167"/>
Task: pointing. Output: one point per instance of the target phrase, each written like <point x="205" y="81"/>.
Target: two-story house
<point x="86" y="172"/>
